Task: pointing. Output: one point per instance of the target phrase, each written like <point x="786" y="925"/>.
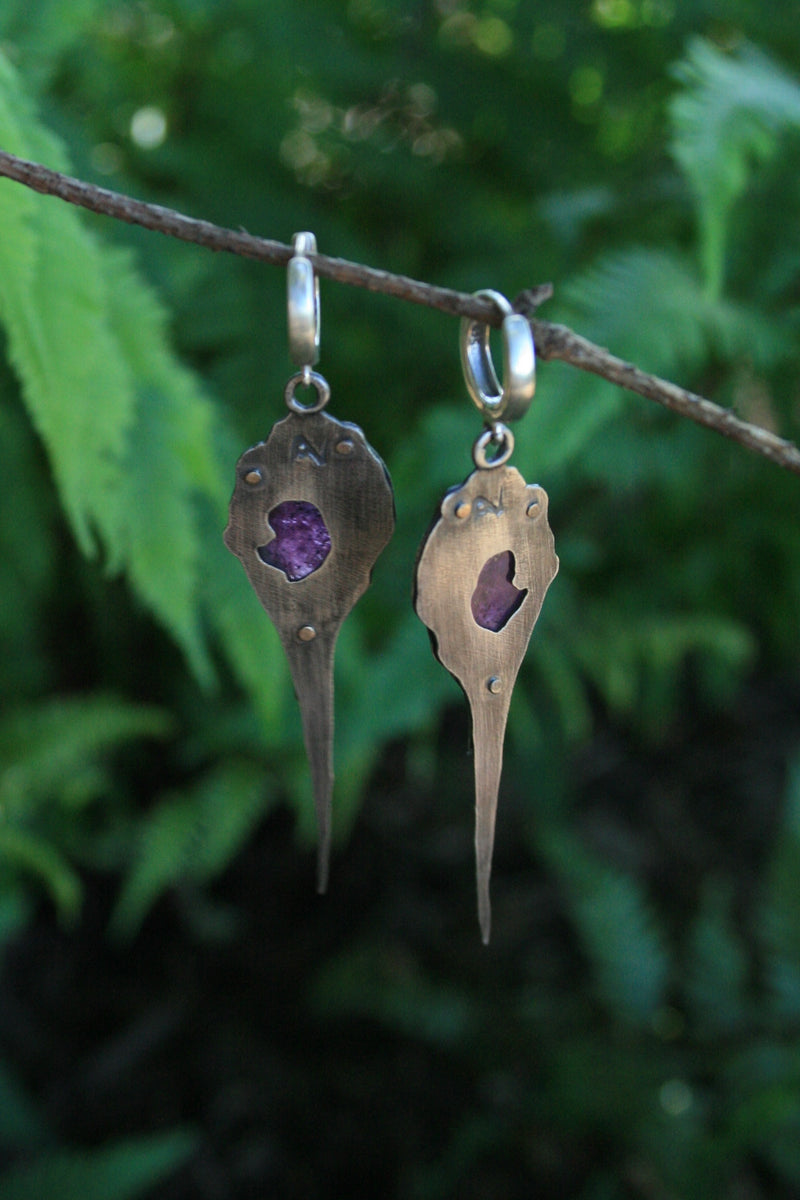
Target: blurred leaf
<point x="30" y="854"/>
<point x="618" y="929"/>
<point x="191" y="837"/>
<point x="726" y="121"/>
<point x="49" y="751"/>
<point x="21" y="1124"/>
<point x="121" y="1171"/>
<point x="717" y="968"/>
<point x="389" y="986"/>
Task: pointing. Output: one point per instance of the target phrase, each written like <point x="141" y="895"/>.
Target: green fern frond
<point x="374" y="981"/>
<point x="53" y="303"/>
<point x="635" y="663"/>
<point x="122" y="1171"/>
<point x="650" y="306"/>
<point x="191" y="838"/>
<point x="27" y="854"/>
<point x="131" y="438"/>
<point x="129" y="434"/>
<point x="716" y="969"/>
<point x="41" y="33"/>
<point x="616" y="925"/>
<point x="46" y="750"/>
<point x="727" y="118"/>
<point x="21" y="1123"/>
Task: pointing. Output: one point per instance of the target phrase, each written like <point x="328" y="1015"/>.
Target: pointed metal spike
<point x="311" y="658"/>
<point x="489" y="705"/>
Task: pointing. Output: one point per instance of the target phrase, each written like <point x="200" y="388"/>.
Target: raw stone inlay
<point x="301" y="543"/>
<point x="495" y="599"/>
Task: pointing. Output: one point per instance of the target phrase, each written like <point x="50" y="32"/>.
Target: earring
<point x="311" y="510"/>
<point x="485" y="566"/>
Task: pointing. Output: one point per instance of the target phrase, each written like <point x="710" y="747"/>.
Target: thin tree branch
<point x="552" y="341"/>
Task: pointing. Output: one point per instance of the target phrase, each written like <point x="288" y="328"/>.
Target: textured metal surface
<point x="494" y="512"/>
<point x="313" y="458"/>
<point x="511" y="400"/>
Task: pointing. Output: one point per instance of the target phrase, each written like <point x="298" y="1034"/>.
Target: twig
<point x="552" y="341"/>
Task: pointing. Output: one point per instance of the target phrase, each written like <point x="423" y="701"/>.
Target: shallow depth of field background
<point x="181" y="1016"/>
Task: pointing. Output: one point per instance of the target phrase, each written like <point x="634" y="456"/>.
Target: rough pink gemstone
<point x="301" y="543"/>
<point x="495" y="599"/>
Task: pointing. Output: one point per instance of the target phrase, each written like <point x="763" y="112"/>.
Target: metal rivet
<point x="345" y="446"/>
<point x="463" y="510"/>
<point x="306" y="633"/>
<point x="253" y="477"/>
<point x="495" y="684"/>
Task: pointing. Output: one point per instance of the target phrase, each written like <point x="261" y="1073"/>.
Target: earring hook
<point x="511" y="400"/>
<point x="302" y="298"/>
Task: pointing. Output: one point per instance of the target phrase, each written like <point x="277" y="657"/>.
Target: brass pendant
<point x="310" y="513"/>
<point x="481" y="579"/>
<point x="486" y="564"/>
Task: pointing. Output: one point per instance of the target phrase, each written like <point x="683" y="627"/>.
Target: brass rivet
<point x="495" y="684"/>
<point x="463" y="509"/>
<point x="253" y="477"/>
<point x="345" y="446"/>
<point x="306" y="633"/>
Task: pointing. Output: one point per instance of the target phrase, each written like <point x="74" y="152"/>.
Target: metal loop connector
<point x="498" y="436"/>
<point x="302" y="297"/>
<point x="307" y="378"/>
<point x="511" y="400"/>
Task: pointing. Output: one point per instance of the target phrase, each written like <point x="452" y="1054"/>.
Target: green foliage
<point x="190" y="838"/>
<point x="56" y="753"/>
<point x="369" y="981"/>
<point x="643" y="156"/>
<point x="619" y="932"/>
<point x="122" y="1171"/>
<point x="727" y="120"/>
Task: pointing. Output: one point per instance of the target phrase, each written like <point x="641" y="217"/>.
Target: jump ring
<point x="497" y="434"/>
<point x="307" y="378"/>
<point x="512" y="400"/>
<point x="302" y="297"/>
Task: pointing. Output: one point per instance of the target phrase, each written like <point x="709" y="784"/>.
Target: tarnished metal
<point x="481" y="578"/>
<point x="501" y="438"/>
<point x="310" y="513"/>
<point x="311" y="463"/>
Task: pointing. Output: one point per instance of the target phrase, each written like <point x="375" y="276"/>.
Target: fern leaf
<point x="122" y="1171"/>
<point x="45" y="750"/>
<point x="22" y="851"/>
<point x="618" y="930"/>
<point x="42" y="32"/>
<point x="53" y="301"/>
<point x="191" y="837"/>
<point x="128" y="432"/>
<point x="717" y="967"/>
<point x="21" y="1123"/>
<point x="728" y="117"/>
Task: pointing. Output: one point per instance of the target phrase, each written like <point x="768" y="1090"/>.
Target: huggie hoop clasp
<point x="512" y="400"/>
<point x="302" y="298"/>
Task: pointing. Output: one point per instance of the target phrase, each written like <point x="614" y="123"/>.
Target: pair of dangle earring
<point x="311" y="510"/>
<point x="485" y="566"/>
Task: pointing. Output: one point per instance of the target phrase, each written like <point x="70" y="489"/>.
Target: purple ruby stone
<point x="495" y="599"/>
<point x="301" y="543"/>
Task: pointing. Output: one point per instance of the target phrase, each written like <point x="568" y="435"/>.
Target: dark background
<point x="180" y="1014"/>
